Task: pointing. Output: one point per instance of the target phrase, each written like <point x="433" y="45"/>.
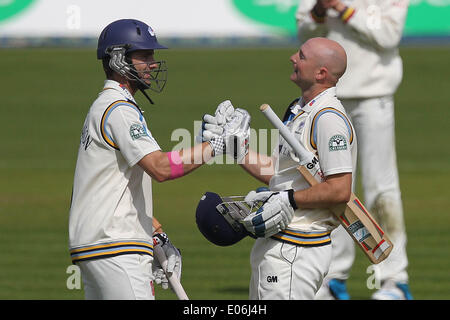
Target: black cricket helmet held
<point x="216" y="222"/>
<point x="122" y="37"/>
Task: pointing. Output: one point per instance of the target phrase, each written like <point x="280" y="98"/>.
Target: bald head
<point x="328" y="54"/>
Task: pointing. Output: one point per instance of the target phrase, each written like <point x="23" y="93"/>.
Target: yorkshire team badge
<point x="337" y="142"/>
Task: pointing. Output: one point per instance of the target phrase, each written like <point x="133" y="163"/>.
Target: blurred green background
<point x="46" y="94"/>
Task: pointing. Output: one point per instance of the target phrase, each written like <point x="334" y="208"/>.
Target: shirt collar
<point x="111" y="84"/>
<point x="307" y="107"/>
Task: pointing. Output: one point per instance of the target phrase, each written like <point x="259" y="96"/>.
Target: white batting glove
<point x="232" y="137"/>
<point x="174" y="263"/>
<point x="237" y="134"/>
<point x="274" y="216"/>
<point x="213" y="133"/>
<point x="228" y="131"/>
<point x="212" y="126"/>
<point x="259" y="195"/>
<point x="224" y="112"/>
<point x="159" y="275"/>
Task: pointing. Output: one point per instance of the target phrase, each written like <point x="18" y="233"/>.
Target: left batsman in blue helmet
<point x="118" y="41"/>
<point x="112" y="229"/>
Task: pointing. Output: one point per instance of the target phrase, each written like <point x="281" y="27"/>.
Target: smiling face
<point x="305" y="67"/>
<point x="320" y="62"/>
<point x="149" y="72"/>
<point x="144" y="62"/>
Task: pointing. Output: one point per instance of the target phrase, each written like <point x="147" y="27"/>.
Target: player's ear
<point x="322" y="74"/>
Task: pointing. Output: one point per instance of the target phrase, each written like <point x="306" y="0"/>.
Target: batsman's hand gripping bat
<point x="173" y="279"/>
<point x="355" y="218"/>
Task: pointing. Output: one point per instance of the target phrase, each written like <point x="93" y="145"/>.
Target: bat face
<point x="364" y="230"/>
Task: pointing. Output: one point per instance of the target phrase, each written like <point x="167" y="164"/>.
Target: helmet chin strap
<point x="145" y="94"/>
<point x="141" y="85"/>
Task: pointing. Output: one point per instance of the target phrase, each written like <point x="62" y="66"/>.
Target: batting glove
<point x="275" y="214"/>
<point x="212" y="126"/>
<point x="224" y="112"/>
<point x="174" y="263"/>
<point x="261" y="194"/>
<point x="232" y="138"/>
<point x="228" y="131"/>
<point x="237" y="134"/>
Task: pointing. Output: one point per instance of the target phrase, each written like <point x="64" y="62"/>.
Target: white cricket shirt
<point x="323" y="126"/>
<point x="111" y="208"/>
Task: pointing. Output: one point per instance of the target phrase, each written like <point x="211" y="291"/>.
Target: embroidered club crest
<point x="337" y="142"/>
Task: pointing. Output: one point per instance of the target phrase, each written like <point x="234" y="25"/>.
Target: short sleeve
<point x="334" y="136"/>
<point x="124" y="128"/>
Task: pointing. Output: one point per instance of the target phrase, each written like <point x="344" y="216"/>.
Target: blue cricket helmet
<point x="122" y="37"/>
<point x="134" y="34"/>
<point x="214" y="225"/>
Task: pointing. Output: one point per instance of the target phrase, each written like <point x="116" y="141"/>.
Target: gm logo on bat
<point x="313" y="163"/>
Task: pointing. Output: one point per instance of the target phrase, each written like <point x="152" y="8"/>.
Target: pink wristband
<point x="176" y="165"/>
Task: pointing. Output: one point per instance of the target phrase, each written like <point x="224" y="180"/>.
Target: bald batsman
<point x="289" y="261"/>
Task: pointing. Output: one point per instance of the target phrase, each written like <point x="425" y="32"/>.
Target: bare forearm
<point x="259" y="166"/>
<point x="157" y="227"/>
<point x="196" y="156"/>
<point x="334" y="191"/>
<point x="164" y="166"/>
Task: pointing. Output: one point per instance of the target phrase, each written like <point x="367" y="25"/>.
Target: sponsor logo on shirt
<point x="137" y="131"/>
<point x="337" y="142"/>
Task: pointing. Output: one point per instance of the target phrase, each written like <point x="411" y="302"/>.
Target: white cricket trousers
<point x="374" y="124"/>
<point x="123" y="277"/>
<point x="283" y="271"/>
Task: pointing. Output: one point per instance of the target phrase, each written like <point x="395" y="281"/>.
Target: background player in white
<point x="291" y="264"/>
<point x="370" y="32"/>
<point x="111" y="229"/>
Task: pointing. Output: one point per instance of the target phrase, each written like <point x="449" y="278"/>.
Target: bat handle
<point x="299" y="149"/>
<point x="306" y="157"/>
<point x="173" y="279"/>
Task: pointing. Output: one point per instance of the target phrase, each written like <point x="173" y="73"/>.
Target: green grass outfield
<point x="46" y="93"/>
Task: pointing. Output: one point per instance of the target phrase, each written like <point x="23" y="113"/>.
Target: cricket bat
<point x="173" y="279"/>
<point x="355" y="218"/>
